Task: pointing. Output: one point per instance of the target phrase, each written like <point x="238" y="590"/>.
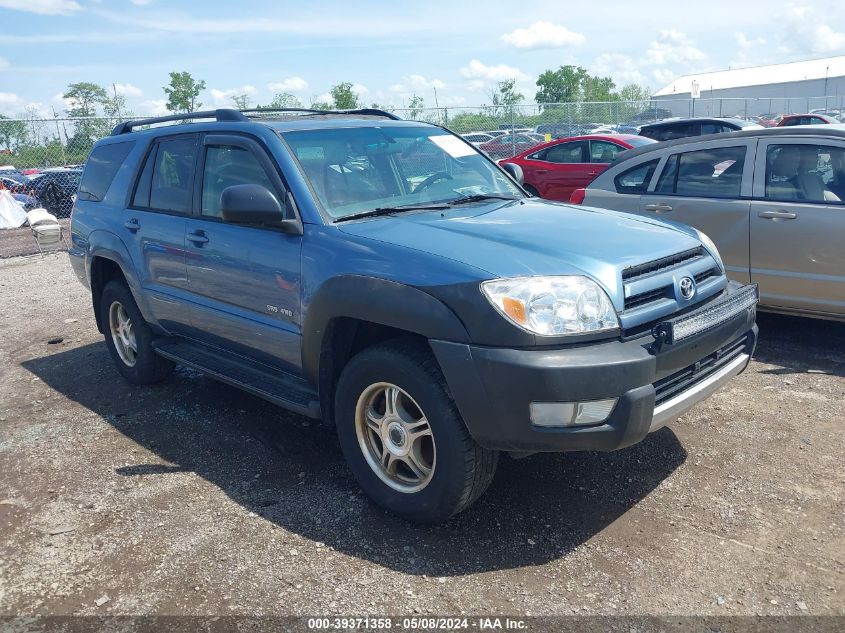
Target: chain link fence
<point x="41" y="159"/>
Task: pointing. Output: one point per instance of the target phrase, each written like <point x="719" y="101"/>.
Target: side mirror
<point x="515" y="171"/>
<point x="255" y="204"/>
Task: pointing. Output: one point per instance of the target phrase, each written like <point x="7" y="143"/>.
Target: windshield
<point x="639" y="141"/>
<point x="353" y="170"/>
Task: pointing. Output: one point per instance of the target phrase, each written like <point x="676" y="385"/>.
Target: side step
<point x="278" y="387"/>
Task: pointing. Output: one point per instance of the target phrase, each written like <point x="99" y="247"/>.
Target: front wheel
<point x="129" y="338"/>
<point x="403" y="437"/>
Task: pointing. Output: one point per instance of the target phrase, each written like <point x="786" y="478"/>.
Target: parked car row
<point x="52" y="189"/>
<point x="773" y="201"/>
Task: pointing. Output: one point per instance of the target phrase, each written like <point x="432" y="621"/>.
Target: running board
<point x="278" y="387"/>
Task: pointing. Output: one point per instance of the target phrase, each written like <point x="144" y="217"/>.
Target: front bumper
<point x="493" y="387"/>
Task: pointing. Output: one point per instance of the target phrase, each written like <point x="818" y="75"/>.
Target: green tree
<point x="415" y="106"/>
<point x="320" y="105"/>
<point x="344" y="97"/>
<point x="84" y="97"/>
<point x="285" y="100"/>
<point x="182" y="92"/>
<point x="635" y="92"/>
<point x="241" y="101"/>
<point x="560" y="86"/>
<point x="598" y="89"/>
<point x="504" y="97"/>
<point x="12" y="133"/>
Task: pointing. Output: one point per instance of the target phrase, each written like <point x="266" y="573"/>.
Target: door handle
<point x="658" y="208"/>
<point x="541" y="171"/>
<point x="777" y="215"/>
<point x="197" y="237"/>
<point x="133" y="225"/>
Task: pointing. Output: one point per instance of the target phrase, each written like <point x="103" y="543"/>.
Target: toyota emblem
<point x="687" y="287"/>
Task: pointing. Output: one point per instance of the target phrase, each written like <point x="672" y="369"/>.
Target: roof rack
<point x="221" y="114"/>
<point x="357" y="111"/>
<point x="228" y="114"/>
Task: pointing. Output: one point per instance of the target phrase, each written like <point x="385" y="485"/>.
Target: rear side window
<point x="563" y="153"/>
<point x="166" y="181"/>
<point x="101" y="168"/>
<point x="636" y="179"/>
<point x="709" y="173"/>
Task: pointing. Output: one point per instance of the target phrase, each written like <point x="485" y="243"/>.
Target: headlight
<point x="711" y="246"/>
<point x="552" y="306"/>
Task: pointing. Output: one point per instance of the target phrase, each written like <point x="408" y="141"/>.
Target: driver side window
<point x="226" y="166"/>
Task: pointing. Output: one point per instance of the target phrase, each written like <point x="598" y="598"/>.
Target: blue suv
<point x="386" y="277"/>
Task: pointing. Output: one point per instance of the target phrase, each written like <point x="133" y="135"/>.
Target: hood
<point x="532" y="237"/>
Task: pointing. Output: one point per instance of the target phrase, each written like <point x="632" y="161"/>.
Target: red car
<point x="805" y="119"/>
<point x="555" y="169"/>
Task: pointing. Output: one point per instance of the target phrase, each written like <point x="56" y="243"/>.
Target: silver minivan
<point x="772" y="200"/>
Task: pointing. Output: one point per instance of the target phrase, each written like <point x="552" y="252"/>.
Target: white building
<point x="796" y="87"/>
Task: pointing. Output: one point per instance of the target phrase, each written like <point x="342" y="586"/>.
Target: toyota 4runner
<point x="386" y="277"/>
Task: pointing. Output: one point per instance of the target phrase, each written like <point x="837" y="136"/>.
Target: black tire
<point x="463" y="470"/>
<point x="149" y="367"/>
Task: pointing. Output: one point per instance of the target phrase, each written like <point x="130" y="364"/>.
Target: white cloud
<point x="4" y="63"/>
<point x="47" y="7"/>
<point x="323" y="98"/>
<point x="475" y="70"/>
<point x="9" y="97"/>
<point x="663" y="75"/>
<point x="543" y="35"/>
<point x="622" y="68"/>
<point x="224" y="97"/>
<point x="154" y="107"/>
<point x="672" y="46"/>
<point x="743" y="41"/>
<point x="360" y="89"/>
<point x="141" y="2"/>
<point x="415" y="84"/>
<point x="808" y="32"/>
<point x="129" y="90"/>
<point x="289" y="84"/>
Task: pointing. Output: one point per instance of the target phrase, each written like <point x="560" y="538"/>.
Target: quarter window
<point x="636" y="179"/>
<point x="710" y="173"/>
<point x="101" y="168"/>
<point x="226" y="166"/>
<point x="604" y="152"/>
<point x="811" y="173"/>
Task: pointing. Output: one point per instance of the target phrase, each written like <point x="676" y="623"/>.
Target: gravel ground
<point x="190" y="497"/>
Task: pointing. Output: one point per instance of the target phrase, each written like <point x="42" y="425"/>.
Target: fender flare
<point x="374" y="300"/>
<point x="107" y="245"/>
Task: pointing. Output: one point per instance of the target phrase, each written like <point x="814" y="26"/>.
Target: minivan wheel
<point x="403" y="437"/>
<point x="129" y="338"/>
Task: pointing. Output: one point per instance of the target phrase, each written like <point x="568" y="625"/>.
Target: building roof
<point x="757" y="76"/>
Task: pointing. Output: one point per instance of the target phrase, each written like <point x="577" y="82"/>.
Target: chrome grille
<point x="652" y="283"/>
<point x="633" y="273"/>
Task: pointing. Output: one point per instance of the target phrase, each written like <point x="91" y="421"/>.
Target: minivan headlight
<point x="552" y="306"/>
<point x="711" y="246"/>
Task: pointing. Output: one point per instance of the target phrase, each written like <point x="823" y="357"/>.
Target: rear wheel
<point x="129" y="338"/>
<point x="403" y="437"/>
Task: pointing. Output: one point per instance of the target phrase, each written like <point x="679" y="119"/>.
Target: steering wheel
<point x="440" y="175"/>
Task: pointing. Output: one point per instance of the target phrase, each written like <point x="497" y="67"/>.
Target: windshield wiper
<point x="478" y="197"/>
<point x="372" y="213"/>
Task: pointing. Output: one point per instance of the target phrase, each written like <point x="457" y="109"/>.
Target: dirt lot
<point x="17" y="242"/>
<point x="190" y="497"/>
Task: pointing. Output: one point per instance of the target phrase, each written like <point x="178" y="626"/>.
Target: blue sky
<point x="389" y="50"/>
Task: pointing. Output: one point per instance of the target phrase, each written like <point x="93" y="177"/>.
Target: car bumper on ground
<point x="494" y="387"/>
